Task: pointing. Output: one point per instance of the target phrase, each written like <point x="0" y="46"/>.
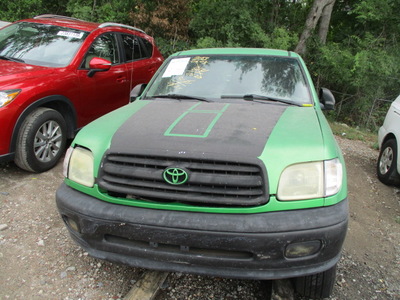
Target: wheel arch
<point x="389" y="136"/>
<point x="57" y="102"/>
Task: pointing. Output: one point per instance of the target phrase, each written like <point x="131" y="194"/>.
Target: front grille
<point x="210" y="182"/>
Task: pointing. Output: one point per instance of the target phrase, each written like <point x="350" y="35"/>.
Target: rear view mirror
<point x="326" y="99"/>
<point x="98" y="64"/>
<point x="137" y="91"/>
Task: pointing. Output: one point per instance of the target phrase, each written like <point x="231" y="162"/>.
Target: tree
<point x="319" y="8"/>
<point x="167" y="20"/>
<point x="325" y="21"/>
<point x="101" y="10"/>
<point x="230" y="22"/>
<point x="360" y="61"/>
<point x="350" y="46"/>
<point x="244" y="23"/>
<point x="16" y="10"/>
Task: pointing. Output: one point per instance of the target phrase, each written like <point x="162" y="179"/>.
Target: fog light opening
<point x="303" y="249"/>
<point x="72" y="224"/>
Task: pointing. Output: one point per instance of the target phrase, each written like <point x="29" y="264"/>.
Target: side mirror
<point x="326" y="99"/>
<point x="98" y="64"/>
<point x="137" y="91"/>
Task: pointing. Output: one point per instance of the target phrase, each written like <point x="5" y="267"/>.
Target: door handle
<point x="121" y="79"/>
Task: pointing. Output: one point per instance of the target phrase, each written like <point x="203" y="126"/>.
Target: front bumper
<point x="248" y="246"/>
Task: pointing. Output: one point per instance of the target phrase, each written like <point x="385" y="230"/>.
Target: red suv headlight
<point x="7" y="96"/>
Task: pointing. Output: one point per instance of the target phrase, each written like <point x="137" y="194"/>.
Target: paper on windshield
<point x="177" y="66"/>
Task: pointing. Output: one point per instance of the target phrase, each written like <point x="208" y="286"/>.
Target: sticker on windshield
<point x="199" y="67"/>
<point x="70" y="34"/>
<point x="176" y="67"/>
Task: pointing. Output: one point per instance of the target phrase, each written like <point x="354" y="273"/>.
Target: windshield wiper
<point x="252" y="97"/>
<point x="11" y="58"/>
<point x="181" y="96"/>
<point x="262" y="98"/>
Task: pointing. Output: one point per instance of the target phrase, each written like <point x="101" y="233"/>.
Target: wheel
<point x="387" y="163"/>
<point x="316" y="286"/>
<point x="41" y="140"/>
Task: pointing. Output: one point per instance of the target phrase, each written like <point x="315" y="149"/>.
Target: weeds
<point x="352" y="133"/>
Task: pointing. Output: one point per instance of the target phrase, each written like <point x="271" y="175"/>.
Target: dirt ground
<point x="38" y="260"/>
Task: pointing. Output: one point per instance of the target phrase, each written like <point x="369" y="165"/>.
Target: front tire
<point x="387" y="163"/>
<point x="317" y="286"/>
<point x="41" y="140"/>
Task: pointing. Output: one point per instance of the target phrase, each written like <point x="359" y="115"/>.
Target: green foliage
<point x="101" y="10"/>
<point x="208" y="42"/>
<point x="362" y="71"/>
<point x="82" y="12"/>
<point x="288" y="15"/>
<point x="230" y="22"/>
<point x="281" y="38"/>
<point x="242" y="23"/>
<point x="168" y="46"/>
<point x="372" y="10"/>
<point x="16" y="10"/>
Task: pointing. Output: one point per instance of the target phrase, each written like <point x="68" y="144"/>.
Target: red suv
<point x="57" y="74"/>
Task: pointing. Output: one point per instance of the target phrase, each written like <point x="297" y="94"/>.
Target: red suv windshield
<point x="40" y="44"/>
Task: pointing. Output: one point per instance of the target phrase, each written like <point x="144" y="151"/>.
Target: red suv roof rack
<point x="108" y="24"/>
<point x="50" y="16"/>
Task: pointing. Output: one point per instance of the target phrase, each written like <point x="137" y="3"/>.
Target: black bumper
<point x="249" y="246"/>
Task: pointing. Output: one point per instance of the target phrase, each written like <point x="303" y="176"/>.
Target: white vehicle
<point x="389" y="138"/>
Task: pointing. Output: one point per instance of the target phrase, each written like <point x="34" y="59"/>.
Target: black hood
<point x="197" y="129"/>
<point x="216" y="145"/>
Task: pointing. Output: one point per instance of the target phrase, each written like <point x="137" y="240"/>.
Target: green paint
<point x="105" y="127"/>
<point x="235" y="51"/>
<point x="301" y="135"/>
<point x="218" y="114"/>
<point x="175" y="176"/>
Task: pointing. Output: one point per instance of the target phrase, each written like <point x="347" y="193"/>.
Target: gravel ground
<point x="39" y="260"/>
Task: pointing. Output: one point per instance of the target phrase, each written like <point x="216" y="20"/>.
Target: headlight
<point x="310" y="180"/>
<point x="78" y="166"/>
<point x="7" y="96"/>
<point x="333" y="176"/>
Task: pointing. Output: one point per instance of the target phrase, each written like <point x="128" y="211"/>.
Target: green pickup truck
<point x="223" y="165"/>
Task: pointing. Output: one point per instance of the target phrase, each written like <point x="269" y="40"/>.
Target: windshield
<point x="223" y="77"/>
<point x="40" y="44"/>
